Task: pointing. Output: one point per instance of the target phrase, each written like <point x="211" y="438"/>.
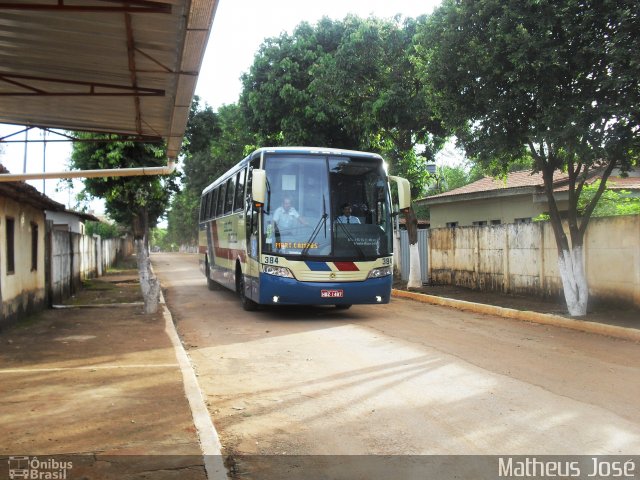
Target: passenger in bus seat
<point x="346" y="216"/>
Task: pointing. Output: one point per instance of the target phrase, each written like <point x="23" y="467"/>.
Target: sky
<point x="239" y="27"/>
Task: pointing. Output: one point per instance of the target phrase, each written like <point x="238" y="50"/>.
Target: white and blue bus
<point x="273" y="228"/>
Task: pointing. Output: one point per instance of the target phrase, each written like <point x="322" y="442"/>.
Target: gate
<point x="423" y="246"/>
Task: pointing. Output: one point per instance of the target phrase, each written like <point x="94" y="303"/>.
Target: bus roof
<point x="316" y="150"/>
<point x="291" y="150"/>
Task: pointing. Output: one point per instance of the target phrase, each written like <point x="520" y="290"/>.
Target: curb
<point x="207" y="434"/>
<point x="624" y="333"/>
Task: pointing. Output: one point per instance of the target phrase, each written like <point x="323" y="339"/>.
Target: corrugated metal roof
<point x="126" y="67"/>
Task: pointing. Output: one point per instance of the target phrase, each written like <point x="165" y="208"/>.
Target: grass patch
<point x="97" y="285"/>
<point x="125" y="265"/>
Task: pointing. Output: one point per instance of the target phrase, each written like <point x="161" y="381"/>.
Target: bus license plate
<point x="332" y="293"/>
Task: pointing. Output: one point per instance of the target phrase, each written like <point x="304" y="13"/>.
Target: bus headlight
<point x="380" y="272"/>
<point x="277" y="271"/>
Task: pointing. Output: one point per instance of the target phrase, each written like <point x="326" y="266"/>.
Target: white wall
<point x="24" y="288"/>
<point x="523" y="258"/>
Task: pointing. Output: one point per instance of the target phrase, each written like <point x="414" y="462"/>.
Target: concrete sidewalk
<point x="600" y="328"/>
<point x="102" y="386"/>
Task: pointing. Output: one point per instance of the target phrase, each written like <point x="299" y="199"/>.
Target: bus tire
<point x="343" y="306"/>
<point x="247" y="304"/>
<point x="211" y="285"/>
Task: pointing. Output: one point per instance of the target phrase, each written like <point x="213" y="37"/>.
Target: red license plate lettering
<point x="332" y="293"/>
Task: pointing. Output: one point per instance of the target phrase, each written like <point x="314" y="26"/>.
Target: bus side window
<point x="209" y="204"/>
<point x="231" y="190"/>
<point x="214" y="201"/>
<point x="203" y="204"/>
<point x="238" y="204"/>
<point x="222" y="189"/>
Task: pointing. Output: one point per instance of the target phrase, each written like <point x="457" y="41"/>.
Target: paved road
<point x="403" y="378"/>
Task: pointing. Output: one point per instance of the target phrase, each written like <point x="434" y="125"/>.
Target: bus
<point x="271" y="230"/>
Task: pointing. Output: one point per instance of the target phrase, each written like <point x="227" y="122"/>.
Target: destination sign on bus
<point x="301" y="245"/>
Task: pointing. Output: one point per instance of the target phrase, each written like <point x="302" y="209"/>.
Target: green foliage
<point x="449" y="178"/>
<point x="277" y="101"/>
<point x="612" y="202"/>
<point x="215" y="141"/>
<point x="543" y="217"/>
<point x="550" y="79"/>
<point x="105" y="230"/>
<point x="203" y="124"/>
<point x="453" y="177"/>
<point x="160" y="240"/>
<point x="182" y="218"/>
<point x="129" y="201"/>
<point x="345" y="84"/>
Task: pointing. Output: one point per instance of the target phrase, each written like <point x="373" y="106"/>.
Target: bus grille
<point x="326" y="276"/>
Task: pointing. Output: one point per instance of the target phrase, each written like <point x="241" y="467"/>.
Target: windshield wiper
<point x="316" y="230"/>
<point x="268" y="206"/>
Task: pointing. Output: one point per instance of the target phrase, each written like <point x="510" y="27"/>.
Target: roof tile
<point x="522" y="178"/>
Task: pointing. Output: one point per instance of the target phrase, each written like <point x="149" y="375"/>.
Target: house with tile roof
<point x="44" y="255"/>
<point x="22" y="248"/>
<point x="518" y="198"/>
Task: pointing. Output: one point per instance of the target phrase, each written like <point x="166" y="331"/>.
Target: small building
<point x="23" y="253"/>
<point x="518" y="198"/>
<point x="70" y="221"/>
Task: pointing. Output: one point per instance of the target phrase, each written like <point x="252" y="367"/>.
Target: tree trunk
<point x="570" y="260"/>
<point x="415" y="276"/>
<point x="574" y="281"/>
<point x="149" y="283"/>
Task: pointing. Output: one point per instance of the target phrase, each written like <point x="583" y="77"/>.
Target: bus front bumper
<point x="288" y="291"/>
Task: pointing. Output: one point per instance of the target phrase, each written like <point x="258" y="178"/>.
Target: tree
<point x="347" y="84"/>
<point x="554" y="79"/>
<point x="105" y="230"/>
<point x="182" y="218"/>
<point x="136" y="202"/>
<point x="277" y="101"/>
<point x="214" y="142"/>
<point x="371" y="80"/>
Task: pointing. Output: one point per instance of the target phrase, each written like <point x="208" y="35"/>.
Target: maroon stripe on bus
<point x="346" y="266"/>
<point x="228" y="253"/>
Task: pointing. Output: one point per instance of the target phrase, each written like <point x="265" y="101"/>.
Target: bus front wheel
<point x="211" y="285"/>
<point x="343" y="307"/>
<point x="247" y="304"/>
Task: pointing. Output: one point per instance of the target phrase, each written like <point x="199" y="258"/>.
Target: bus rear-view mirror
<point x="404" y="192"/>
<point x="259" y="187"/>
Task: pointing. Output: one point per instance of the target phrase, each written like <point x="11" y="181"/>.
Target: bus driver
<point x="286" y="216"/>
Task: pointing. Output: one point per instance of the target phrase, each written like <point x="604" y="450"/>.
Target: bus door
<point x="252" y="228"/>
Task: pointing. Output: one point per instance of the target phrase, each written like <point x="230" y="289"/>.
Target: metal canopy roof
<point x="126" y="67"/>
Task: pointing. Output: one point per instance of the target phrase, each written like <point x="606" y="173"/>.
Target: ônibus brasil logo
<point x="37" y="469"/>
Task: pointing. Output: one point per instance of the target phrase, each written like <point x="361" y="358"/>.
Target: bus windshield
<point x="326" y="206"/>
